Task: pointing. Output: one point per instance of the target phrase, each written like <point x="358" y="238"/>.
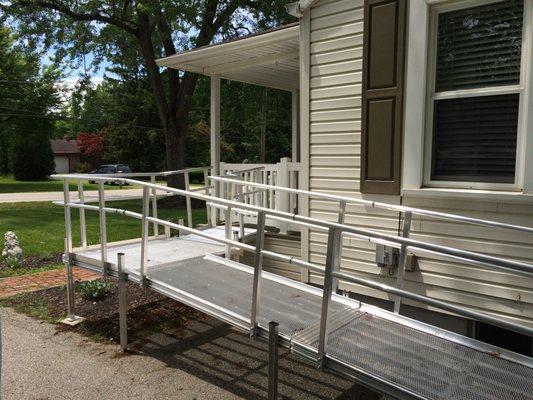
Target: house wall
<point x="289" y="245"/>
<point x="336" y="51"/>
<point x="333" y="104"/>
<point x="62" y="164"/>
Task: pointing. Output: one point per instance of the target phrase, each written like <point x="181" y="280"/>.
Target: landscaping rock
<point x="12" y="247"/>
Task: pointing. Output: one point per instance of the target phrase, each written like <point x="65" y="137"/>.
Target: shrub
<point x="33" y="158"/>
<point x="93" y="290"/>
<point x="13" y="263"/>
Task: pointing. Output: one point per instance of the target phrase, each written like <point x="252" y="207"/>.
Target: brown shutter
<point x="383" y="68"/>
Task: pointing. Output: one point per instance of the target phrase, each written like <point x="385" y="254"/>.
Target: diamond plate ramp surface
<point x="433" y="367"/>
<point x="231" y="289"/>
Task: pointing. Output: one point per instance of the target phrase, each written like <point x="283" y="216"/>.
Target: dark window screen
<point x="480" y="46"/>
<point x="475" y="139"/>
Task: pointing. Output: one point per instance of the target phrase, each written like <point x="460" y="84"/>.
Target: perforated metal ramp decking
<point x="392" y="353"/>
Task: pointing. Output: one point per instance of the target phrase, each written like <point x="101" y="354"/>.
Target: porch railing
<point x="282" y="174"/>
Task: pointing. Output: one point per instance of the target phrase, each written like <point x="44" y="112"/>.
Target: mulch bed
<point x="148" y="312"/>
<point x="32" y="262"/>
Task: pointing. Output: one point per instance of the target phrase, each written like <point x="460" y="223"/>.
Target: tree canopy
<point x="29" y="95"/>
<point x="133" y="34"/>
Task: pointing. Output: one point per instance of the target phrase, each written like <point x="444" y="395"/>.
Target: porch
<point x="271" y="60"/>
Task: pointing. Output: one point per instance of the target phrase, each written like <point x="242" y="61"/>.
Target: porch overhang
<point x="269" y="59"/>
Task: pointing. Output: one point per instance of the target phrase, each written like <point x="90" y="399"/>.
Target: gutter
<point x="297" y="9"/>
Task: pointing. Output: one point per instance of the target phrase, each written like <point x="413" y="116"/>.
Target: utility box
<point x="386" y="256"/>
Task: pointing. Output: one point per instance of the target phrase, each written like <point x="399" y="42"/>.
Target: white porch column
<point x="215" y="137"/>
<point x="295" y="126"/>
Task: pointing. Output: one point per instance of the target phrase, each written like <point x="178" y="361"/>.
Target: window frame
<point x="432" y="97"/>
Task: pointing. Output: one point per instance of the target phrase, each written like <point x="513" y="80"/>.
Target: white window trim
<point x="416" y="104"/>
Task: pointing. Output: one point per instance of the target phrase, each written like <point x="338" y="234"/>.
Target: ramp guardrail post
<point x="334" y="236"/>
<point x="122" y="303"/>
<point x="144" y="233"/>
<point x="154" y="206"/>
<point x="71" y="319"/>
<point x="338" y="247"/>
<point x="83" y="226"/>
<point x="406" y="230"/>
<point x="273" y="332"/>
<point x="207" y="192"/>
<point x="103" y="228"/>
<point x="241" y="216"/>
<point x="228" y="229"/>
<point x="258" y="264"/>
<point x="68" y="219"/>
<point x="188" y="199"/>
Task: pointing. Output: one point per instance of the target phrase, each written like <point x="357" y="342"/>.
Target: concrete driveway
<point x="121" y="194"/>
<point x="208" y="361"/>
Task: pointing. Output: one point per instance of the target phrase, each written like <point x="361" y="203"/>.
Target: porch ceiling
<point x="268" y="59"/>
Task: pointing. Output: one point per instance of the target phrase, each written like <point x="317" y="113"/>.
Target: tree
<point x="145" y="30"/>
<point x="29" y="95"/>
<point x="92" y="147"/>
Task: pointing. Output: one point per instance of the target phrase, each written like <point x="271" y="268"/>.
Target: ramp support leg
<point x="258" y="266"/>
<point x="273" y="331"/>
<point x="334" y="236"/>
<point x="122" y="303"/>
<point x="72" y="319"/>
<point x="406" y="229"/>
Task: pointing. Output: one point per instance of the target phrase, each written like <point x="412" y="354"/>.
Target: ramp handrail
<point x="377" y="204"/>
<point x="334" y="247"/>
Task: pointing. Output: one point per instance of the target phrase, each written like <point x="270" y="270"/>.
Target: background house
<point x="66" y="155"/>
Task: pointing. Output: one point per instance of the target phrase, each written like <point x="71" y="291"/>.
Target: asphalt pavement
<point x="209" y="360"/>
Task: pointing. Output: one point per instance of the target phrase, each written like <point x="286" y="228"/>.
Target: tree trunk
<point x="175" y="151"/>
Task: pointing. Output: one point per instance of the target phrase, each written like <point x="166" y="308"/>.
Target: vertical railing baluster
<point x="144" y="233"/>
<point x="406" y="230"/>
<point x="338" y="248"/>
<point x="83" y="226"/>
<point x="241" y="215"/>
<point x="334" y="235"/>
<point x="154" y="206"/>
<point x="258" y="266"/>
<point x="272" y="204"/>
<point x="228" y="229"/>
<point x="207" y="192"/>
<point x="68" y="219"/>
<point x="264" y="193"/>
<point x="122" y="303"/>
<point x="103" y="228"/>
<point x="188" y="199"/>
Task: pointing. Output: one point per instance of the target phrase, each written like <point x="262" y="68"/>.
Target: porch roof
<point x="270" y="59"/>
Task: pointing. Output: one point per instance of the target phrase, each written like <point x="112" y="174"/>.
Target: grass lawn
<point x="9" y="185"/>
<point x="40" y="227"/>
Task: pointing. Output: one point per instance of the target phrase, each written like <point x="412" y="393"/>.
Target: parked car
<point x="111" y="169"/>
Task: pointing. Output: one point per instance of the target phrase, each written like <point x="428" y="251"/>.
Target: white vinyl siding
<point x="289" y="245"/>
<point x="335" y="133"/>
<point x="334" y="167"/>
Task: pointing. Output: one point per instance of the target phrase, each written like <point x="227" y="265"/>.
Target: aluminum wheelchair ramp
<point x="363" y="340"/>
<point x="396" y="355"/>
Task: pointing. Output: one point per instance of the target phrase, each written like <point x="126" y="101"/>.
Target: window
<point x="476" y="75"/>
